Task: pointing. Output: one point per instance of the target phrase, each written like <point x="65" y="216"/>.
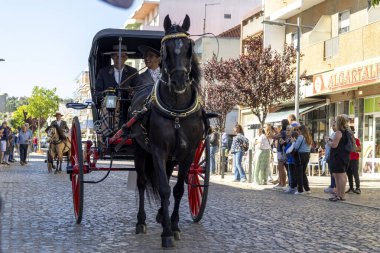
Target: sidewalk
<point x="370" y="196"/>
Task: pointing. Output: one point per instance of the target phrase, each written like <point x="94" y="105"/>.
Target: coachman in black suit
<point x="109" y="77"/>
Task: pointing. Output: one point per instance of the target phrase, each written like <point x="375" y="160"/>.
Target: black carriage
<point x="117" y="143"/>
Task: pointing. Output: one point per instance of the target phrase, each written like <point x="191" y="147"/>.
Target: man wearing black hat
<point x="60" y="122"/>
<point x="118" y="75"/>
<point x="152" y="62"/>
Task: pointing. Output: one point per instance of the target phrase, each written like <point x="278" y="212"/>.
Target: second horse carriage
<point x="161" y="127"/>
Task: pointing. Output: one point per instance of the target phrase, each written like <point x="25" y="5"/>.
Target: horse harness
<point x="154" y="102"/>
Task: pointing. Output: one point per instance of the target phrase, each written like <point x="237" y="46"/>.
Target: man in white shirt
<point x="60" y="122"/>
<point x="118" y="75"/>
<point x="152" y="62"/>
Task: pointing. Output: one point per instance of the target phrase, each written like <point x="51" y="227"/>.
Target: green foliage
<point x="42" y="103"/>
<point x="13" y="103"/>
<point x="375" y="2"/>
<point x="18" y="118"/>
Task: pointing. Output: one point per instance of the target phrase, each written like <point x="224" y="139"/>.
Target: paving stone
<point x="37" y="216"/>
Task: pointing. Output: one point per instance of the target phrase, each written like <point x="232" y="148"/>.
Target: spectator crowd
<point x="290" y="145"/>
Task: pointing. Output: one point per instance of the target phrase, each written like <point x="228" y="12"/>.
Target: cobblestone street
<point x="37" y="216"/>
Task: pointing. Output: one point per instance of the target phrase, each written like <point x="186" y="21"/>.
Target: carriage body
<point x="84" y="155"/>
<point x="103" y="42"/>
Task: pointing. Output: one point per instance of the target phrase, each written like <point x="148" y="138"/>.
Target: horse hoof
<point x="177" y="235"/>
<point x="167" y="242"/>
<point x="140" y="229"/>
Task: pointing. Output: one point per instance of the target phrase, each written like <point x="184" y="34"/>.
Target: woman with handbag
<point x="301" y="155"/>
<point x="281" y="157"/>
<point x="262" y="156"/>
<point x="339" y="158"/>
<point x="237" y="151"/>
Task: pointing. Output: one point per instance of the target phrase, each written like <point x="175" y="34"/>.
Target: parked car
<point x="44" y="143"/>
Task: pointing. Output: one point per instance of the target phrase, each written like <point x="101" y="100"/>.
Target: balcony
<point x="293" y="9"/>
<point x="351" y="47"/>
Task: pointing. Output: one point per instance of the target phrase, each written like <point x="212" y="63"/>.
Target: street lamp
<point x="299" y="26"/>
<point x="204" y="20"/>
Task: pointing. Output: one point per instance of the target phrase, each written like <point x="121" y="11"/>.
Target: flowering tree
<point x="264" y="77"/>
<point x="218" y="92"/>
<point x="260" y="79"/>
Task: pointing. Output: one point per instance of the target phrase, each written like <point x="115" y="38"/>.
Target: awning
<point x="278" y="116"/>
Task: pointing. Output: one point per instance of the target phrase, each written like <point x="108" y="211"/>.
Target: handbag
<point x="295" y="151"/>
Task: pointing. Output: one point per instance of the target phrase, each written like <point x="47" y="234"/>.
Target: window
<point x="344" y="22"/>
<point x="331" y="47"/>
<point x="227" y="16"/>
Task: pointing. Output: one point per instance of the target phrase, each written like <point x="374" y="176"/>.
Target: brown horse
<point x="59" y="144"/>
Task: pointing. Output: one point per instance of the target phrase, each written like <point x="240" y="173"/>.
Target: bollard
<point x="250" y="166"/>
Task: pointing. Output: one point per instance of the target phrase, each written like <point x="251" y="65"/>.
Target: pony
<point x="59" y="144"/>
<point x="170" y="132"/>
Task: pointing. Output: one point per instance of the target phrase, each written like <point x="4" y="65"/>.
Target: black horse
<point x="171" y="133"/>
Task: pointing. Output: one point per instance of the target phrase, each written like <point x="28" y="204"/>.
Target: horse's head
<point x="55" y="133"/>
<point x="177" y="55"/>
<point x="51" y="132"/>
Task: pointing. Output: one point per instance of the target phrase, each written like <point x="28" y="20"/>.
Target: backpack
<point x="350" y="145"/>
<point x="245" y="144"/>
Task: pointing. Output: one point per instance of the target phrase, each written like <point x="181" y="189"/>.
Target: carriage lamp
<point x="110" y="102"/>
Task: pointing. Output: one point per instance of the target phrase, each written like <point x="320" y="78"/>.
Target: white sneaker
<point x="329" y="190"/>
<point x="286" y="188"/>
<point x="299" y="193"/>
<point x="308" y="192"/>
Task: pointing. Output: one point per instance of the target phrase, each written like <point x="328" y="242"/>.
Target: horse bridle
<point x="177" y="49"/>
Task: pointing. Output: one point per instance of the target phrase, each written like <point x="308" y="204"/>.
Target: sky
<point x="46" y="43"/>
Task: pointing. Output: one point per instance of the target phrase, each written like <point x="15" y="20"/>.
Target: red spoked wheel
<point x="76" y="161"/>
<point x="198" y="180"/>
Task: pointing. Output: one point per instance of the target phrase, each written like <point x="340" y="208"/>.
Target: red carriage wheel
<point x="198" y="180"/>
<point x="76" y="160"/>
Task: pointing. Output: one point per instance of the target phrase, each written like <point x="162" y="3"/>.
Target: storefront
<point x="353" y="90"/>
<point x="371" y="136"/>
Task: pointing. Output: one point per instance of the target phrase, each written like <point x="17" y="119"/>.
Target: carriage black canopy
<point x="105" y="39"/>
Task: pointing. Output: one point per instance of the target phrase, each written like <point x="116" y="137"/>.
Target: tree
<point x="18" y="117"/>
<point x="375" y="2"/>
<point x="219" y="95"/>
<point x="12" y="103"/>
<point x="261" y="78"/>
<point x="264" y="77"/>
<point x="41" y="105"/>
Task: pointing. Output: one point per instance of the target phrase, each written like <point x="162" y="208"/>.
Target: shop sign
<point x="365" y="73"/>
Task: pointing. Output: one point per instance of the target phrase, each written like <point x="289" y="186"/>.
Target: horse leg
<point x="140" y="163"/>
<point x="60" y="165"/>
<point x="178" y="191"/>
<point x="56" y="168"/>
<point x="169" y="170"/>
<point x="164" y="192"/>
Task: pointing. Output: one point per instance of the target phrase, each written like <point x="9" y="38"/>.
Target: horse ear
<point x="186" y="23"/>
<point x="167" y="23"/>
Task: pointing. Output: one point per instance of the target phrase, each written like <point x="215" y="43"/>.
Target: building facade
<point x="82" y="94"/>
<point x="341" y="59"/>
<point x="206" y="16"/>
